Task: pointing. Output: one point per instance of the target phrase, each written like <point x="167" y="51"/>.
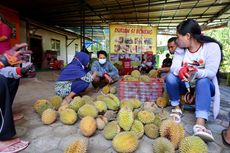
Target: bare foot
<point x="17" y="116"/>
<point x="7" y="143"/>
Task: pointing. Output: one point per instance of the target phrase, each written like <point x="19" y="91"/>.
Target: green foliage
<point x="222" y="35"/>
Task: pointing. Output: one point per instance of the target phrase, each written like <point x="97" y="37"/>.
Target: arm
<point x="177" y="61"/>
<point x="95" y="68"/>
<point x="113" y="70"/>
<point x="212" y="61"/>
<point x="10" y="72"/>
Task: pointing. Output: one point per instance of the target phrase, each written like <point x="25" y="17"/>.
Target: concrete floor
<point x="55" y="137"/>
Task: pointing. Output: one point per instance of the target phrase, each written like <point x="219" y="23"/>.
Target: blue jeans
<point x="204" y="91"/>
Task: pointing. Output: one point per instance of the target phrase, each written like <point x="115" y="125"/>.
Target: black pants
<point x="8" y="90"/>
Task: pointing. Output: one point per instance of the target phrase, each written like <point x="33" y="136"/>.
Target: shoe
<point x="176" y="115"/>
<point x="224" y="141"/>
<point x="16" y="147"/>
<point x="203" y="133"/>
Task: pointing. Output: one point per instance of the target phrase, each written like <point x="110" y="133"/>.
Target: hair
<point x="3" y="19"/>
<point x="101" y="52"/>
<point x="167" y="55"/>
<point x="172" y="39"/>
<point x="192" y="27"/>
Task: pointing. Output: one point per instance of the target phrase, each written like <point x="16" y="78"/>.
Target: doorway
<point x="36" y="47"/>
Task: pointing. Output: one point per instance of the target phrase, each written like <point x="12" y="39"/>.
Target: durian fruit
<point x="76" y="103"/>
<point x="88" y="126"/>
<point x="49" y="116"/>
<point x="163" y="145"/>
<point x="111" y="130"/>
<point x="161" y="102"/>
<point x="136" y="103"/>
<point x="125" y="118"/>
<point x="106" y="89"/>
<point x="192" y="144"/>
<point x="78" y="146"/>
<point x="163" y="114"/>
<point x="135" y="74"/>
<point x="100" y="98"/>
<point x="152" y="131"/>
<point x="113" y="90"/>
<point x="138" y="128"/>
<point x="172" y="131"/>
<point x="111" y="104"/>
<point x="110" y="115"/>
<point x="56" y="101"/>
<point x="101" y="122"/>
<point x="151" y="107"/>
<point x="144" y="78"/>
<point x="87" y="110"/>
<point x="166" y="96"/>
<point x="114" y="98"/>
<point x="101" y="106"/>
<point x="87" y="99"/>
<point x="146" y="117"/>
<point x="153" y="74"/>
<point x="63" y="107"/>
<point x="157" y="120"/>
<point x="127" y="103"/>
<point x="126" y="142"/>
<point x="41" y="105"/>
<point x="68" y="116"/>
<point x="130" y="78"/>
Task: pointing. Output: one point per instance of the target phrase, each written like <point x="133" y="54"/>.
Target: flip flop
<point x="176" y="115"/>
<point x="16" y="147"/>
<point x="18" y="116"/>
<point x="224" y="141"/>
<point x="203" y="133"/>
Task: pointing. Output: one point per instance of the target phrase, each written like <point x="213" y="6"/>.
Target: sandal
<point x="203" y="133"/>
<point x="18" y="116"/>
<point x="16" y="147"/>
<point x="223" y="139"/>
<point x="176" y="115"/>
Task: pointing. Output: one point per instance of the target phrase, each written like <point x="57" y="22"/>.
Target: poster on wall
<point x="132" y="39"/>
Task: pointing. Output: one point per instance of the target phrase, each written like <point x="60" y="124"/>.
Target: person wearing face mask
<point x="195" y="67"/>
<point x="107" y="72"/>
<point x="74" y="78"/>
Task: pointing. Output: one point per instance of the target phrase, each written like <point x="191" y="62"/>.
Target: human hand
<point x="183" y="73"/>
<point x="14" y="56"/>
<point x="108" y="78"/>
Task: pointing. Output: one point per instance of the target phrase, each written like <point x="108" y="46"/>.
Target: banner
<point x="132" y="39"/>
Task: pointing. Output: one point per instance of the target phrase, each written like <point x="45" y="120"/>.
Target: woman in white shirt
<point x="200" y="57"/>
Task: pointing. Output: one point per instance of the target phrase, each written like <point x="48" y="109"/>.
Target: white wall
<point x="71" y="48"/>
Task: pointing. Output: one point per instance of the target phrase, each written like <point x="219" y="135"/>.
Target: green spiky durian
<point x="130" y="78"/>
<point x="106" y="89"/>
<point x="161" y="102"/>
<point x="146" y="117"/>
<point x="136" y="103"/>
<point x="87" y="100"/>
<point x="151" y="107"/>
<point x="125" y="118"/>
<point x="76" y="103"/>
<point x="114" y="98"/>
<point x="172" y="131"/>
<point x="63" y="107"/>
<point x="101" y="106"/>
<point x="88" y="126"/>
<point x="138" y="128"/>
<point x="56" y="101"/>
<point x="192" y="144"/>
<point x="100" y="98"/>
<point x="157" y="120"/>
<point x="127" y="103"/>
<point x="163" y="145"/>
<point x="166" y="96"/>
<point x="41" y="105"/>
<point x="135" y="73"/>
<point x="111" y="130"/>
<point x="87" y="110"/>
<point x="153" y="74"/>
<point x="144" y="78"/>
<point x="152" y="131"/>
<point x="78" y="146"/>
<point x="49" y="116"/>
<point x="126" y="142"/>
<point x="111" y="104"/>
<point x="68" y="116"/>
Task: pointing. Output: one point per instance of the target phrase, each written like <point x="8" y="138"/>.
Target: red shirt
<point x="5" y="30"/>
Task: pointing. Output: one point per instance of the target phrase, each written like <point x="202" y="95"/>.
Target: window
<point x="55" y="46"/>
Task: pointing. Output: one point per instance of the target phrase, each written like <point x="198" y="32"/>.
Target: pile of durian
<point x="124" y="122"/>
<point x="137" y="76"/>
